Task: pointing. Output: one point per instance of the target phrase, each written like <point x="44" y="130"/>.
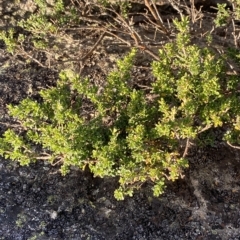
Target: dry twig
<point x="156" y="15"/>
<point x="83" y="59"/>
<point x="233" y="146"/>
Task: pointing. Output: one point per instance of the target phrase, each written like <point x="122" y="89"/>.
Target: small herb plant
<point x="118" y="130"/>
<point x="223" y="15"/>
<point x="41" y="32"/>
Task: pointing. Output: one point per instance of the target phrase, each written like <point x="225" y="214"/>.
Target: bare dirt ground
<point x="36" y="202"/>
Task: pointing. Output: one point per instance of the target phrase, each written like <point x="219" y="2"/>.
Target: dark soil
<point x="36" y="202"/>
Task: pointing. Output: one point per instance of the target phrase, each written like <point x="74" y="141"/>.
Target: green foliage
<point x="223" y="15"/>
<point x="47" y="19"/>
<point x="234" y="54"/>
<point x="233" y="136"/>
<point x="124" y="7"/>
<point x="115" y="129"/>
<point x="7" y="37"/>
<point x="15" y="147"/>
<point x="189" y="84"/>
<point x="115" y="139"/>
<point x="104" y="3"/>
<point x="37" y="24"/>
<point x="43" y="28"/>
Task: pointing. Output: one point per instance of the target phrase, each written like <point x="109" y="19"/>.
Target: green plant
<point x="197" y="92"/>
<point x="189" y="83"/>
<point x="7" y="37"/>
<point x="55" y="26"/>
<point x="42" y="32"/>
<point x="114" y="139"/>
<point x="223" y="15"/>
<point x="118" y="130"/>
